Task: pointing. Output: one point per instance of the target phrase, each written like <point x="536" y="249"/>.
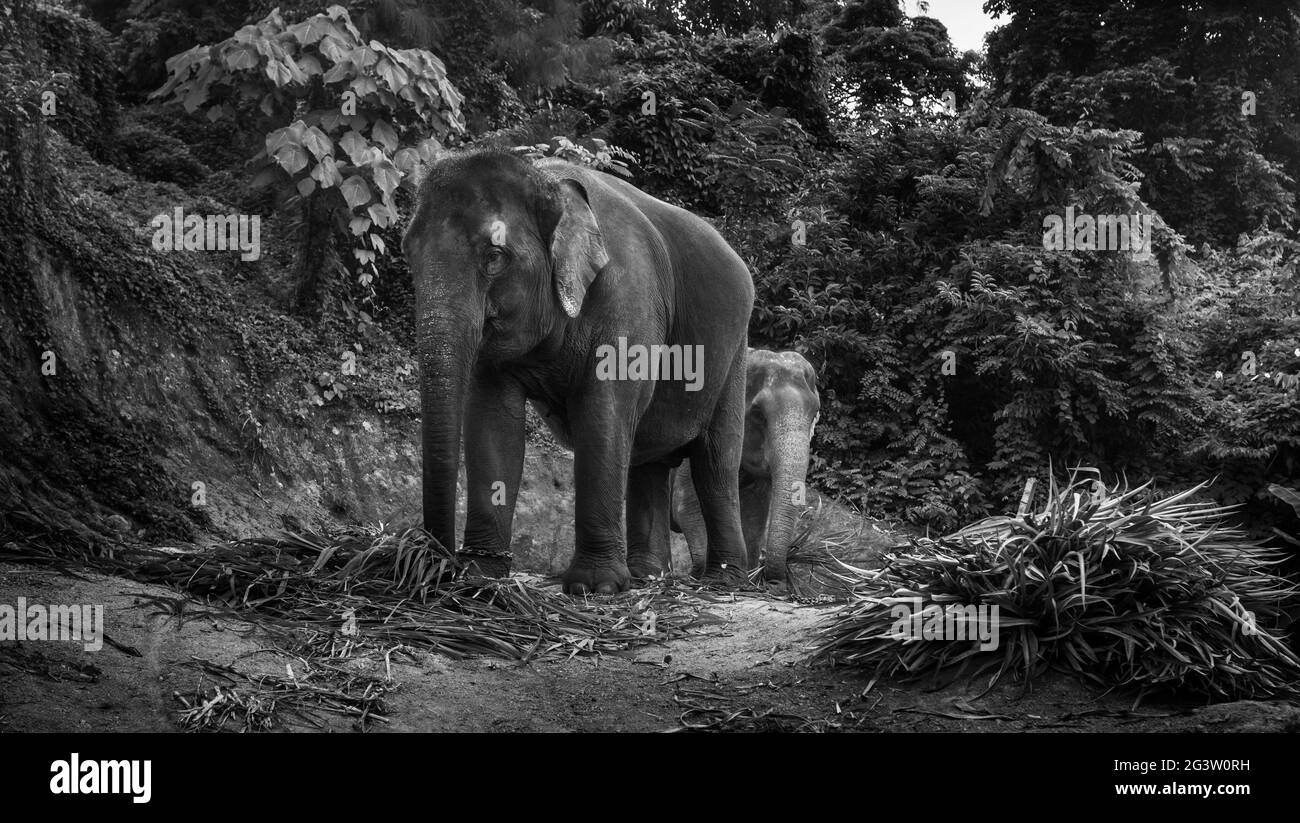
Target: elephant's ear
<point x="577" y="248"/>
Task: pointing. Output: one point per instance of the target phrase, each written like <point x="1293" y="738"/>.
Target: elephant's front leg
<point x="648" y="520"/>
<point x="494" y="459"/>
<point x="600" y="467"/>
<point x="715" y="473"/>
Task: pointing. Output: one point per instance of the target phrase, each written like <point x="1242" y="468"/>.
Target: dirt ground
<point x="744" y="671"/>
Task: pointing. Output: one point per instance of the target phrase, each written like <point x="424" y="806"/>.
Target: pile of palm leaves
<point x="1119" y="587"/>
<point x="245" y="702"/>
<point x="814" y="570"/>
<point x="817" y="547"/>
<point x="368" y="585"/>
<point x="405" y="588"/>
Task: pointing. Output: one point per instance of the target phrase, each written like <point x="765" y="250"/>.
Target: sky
<point x="966" y="21"/>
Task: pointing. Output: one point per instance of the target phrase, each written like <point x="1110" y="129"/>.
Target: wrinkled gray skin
<point x="782" y="406"/>
<point x="521" y="272"/>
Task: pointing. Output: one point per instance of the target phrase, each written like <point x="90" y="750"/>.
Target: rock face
<point x="163" y="395"/>
<point x="105" y="411"/>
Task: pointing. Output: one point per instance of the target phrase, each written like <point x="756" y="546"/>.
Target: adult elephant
<point x="782" y="406"/>
<point x="530" y="280"/>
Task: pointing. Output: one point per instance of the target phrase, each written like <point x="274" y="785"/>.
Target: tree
<point x="345" y="121"/>
<point x="1212" y="87"/>
<point x="886" y="56"/>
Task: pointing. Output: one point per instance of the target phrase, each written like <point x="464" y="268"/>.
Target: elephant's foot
<point x="485" y="565"/>
<point x="774" y="573"/>
<point x="729" y="575"/>
<point x="596" y="575"/>
<point x="643" y="566"/>
<point x="780" y="588"/>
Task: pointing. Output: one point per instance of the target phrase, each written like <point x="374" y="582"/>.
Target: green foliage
<point x="702" y="140"/>
<point x="926" y="248"/>
<point x="724" y="16"/>
<point x="346" y="120"/>
<point x="22" y="131"/>
<point x="1244" y="307"/>
<point x="884" y="56"/>
<point x="614" y="18"/>
<point x="466" y="34"/>
<point x="154" y="155"/>
<point x="57" y="66"/>
<point x="147" y="32"/>
<point x="601" y="156"/>
<point x="787" y="71"/>
<point x="1177" y="75"/>
<point x="542" y="50"/>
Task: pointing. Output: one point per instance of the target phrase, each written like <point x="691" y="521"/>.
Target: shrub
<point x="346" y="121"/>
<point x="154" y="155"/>
<point x="1120" y="587"/>
<point x="76" y="55"/>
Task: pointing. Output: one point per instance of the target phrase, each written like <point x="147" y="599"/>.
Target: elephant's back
<point x="696" y="249"/>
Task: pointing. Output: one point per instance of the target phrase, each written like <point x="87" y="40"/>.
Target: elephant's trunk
<point x="789" y="472"/>
<point x="447" y="352"/>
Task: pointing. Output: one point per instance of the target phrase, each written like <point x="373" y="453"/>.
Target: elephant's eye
<point x="495" y="260"/>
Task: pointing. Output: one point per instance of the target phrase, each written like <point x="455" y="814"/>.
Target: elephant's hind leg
<point x="689" y="518"/>
<point x="715" y="472"/>
<point x="647" y="520"/>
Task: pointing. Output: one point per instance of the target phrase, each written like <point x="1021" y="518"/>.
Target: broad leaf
<point x="364" y="86"/>
<point x="279" y="73"/>
<point x="1289" y="496"/>
<point x="312" y="30"/>
<point x="309" y="64"/>
<point x="241" y="58"/>
<point x="292" y="159"/>
<point x="290" y="135"/>
<point x="382" y="215"/>
<point x="387" y="177"/>
<point x="428" y="149"/>
<point x="339" y="71"/>
<point x="327" y="173"/>
<point x="317" y="143"/>
<point x="393" y="75"/>
<point x="406" y="160"/>
<point x="356" y="192"/>
<point x="384" y="134"/>
<point x="201" y="85"/>
<point x="334" y="49"/>
<point x="355" y="145"/>
<point x="364" y="56"/>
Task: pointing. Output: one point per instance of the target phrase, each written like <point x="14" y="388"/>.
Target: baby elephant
<point x="781" y="410"/>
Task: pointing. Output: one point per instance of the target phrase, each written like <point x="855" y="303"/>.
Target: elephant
<point x="622" y="319"/>
<point x="782" y="408"/>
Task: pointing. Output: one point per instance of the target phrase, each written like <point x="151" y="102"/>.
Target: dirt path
<point x="743" y="672"/>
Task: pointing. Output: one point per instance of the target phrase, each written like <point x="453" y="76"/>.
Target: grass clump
<point x="1120" y="587"/>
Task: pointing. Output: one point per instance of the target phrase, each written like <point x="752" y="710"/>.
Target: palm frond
<point x="1119" y="586"/>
